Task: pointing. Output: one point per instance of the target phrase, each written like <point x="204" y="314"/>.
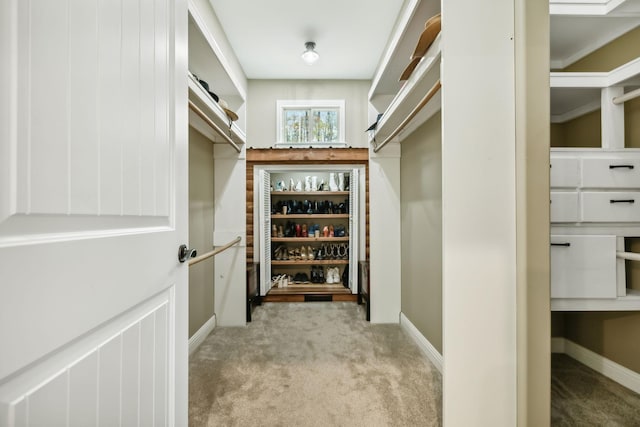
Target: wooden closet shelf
<point x="309" y="239"/>
<point x="308" y="216"/>
<point x="311" y="262"/>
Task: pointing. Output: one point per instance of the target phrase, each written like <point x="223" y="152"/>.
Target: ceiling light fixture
<point x="310" y="55"/>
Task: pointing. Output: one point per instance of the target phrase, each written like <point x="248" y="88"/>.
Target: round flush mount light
<point x="310" y="55"/>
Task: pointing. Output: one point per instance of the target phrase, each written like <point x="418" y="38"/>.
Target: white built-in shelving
<point x="397" y="100"/>
<point x="209" y="62"/>
<point x="594" y="191"/>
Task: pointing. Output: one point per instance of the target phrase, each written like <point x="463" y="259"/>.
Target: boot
<point x="307" y="183"/>
<point x="333" y="186"/>
<point x="340" y="181"/>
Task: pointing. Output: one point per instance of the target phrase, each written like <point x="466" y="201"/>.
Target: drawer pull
<point x="621" y="166"/>
<point x="622" y="201"/>
<point x="561" y="244"/>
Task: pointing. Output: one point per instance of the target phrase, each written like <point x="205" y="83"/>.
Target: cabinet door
<point x="265" y="231"/>
<point x="619" y="206"/>
<point x="354" y="243"/>
<point x="611" y="173"/>
<point x="583" y="266"/>
<point x="564" y="173"/>
<point x="564" y="206"/>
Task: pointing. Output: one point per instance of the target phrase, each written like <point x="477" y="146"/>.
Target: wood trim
<point x="308" y="155"/>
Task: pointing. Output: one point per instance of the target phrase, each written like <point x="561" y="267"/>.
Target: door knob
<point x="184" y="253"/>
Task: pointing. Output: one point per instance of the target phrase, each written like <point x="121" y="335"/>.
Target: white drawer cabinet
<point x="611" y="173"/>
<point x="564" y="173"/>
<point x="605" y="206"/>
<point x="583" y="266"/>
<point x="564" y="206"/>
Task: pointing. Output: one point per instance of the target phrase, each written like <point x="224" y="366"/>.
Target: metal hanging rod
<point x="626" y="97"/>
<point x="213" y="126"/>
<point x="434" y="89"/>
<point x="632" y="256"/>
<point x="214" y="252"/>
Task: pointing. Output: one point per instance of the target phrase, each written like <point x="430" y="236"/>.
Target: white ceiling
<point x="351" y="35"/>
<point x="268" y="36"/>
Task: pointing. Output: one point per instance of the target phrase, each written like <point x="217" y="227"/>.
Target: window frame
<point x="282" y="105"/>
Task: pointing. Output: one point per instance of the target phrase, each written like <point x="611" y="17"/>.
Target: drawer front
<point x="564" y="173"/>
<point x="564" y="206"/>
<point x="611" y="173"/>
<point x="619" y="206"/>
<point x="583" y="266"/>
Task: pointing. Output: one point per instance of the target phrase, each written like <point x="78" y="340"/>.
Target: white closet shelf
<point x="575" y="94"/>
<point x="214" y="112"/>
<point x="421" y="81"/>
<point x="630" y="302"/>
<point x="405" y="35"/>
<point x="588" y="8"/>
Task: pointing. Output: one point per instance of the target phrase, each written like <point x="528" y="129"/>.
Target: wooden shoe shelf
<point x="274" y="200"/>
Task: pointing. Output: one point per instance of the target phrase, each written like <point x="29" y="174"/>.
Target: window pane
<point x="325" y="125"/>
<point x="296" y="125"/>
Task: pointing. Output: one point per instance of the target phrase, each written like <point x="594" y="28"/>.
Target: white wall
<point x="230" y="222"/>
<point x="384" y="234"/>
<point x="479" y="214"/>
<point x="263" y="94"/>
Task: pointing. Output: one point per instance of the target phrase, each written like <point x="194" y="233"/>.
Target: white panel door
<point x="93" y="207"/>
<point x="265" y="231"/>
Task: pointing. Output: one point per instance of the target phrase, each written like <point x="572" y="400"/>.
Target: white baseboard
<point x="601" y="364"/>
<point x="196" y="340"/>
<point x="427" y="348"/>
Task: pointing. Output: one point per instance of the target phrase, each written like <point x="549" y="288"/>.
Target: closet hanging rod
<point x="632" y="256"/>
<point x="626" y="97"/>
<point x="213" y="126"/>
<point x="214" y="252"/>
<point x="434" y="89"/>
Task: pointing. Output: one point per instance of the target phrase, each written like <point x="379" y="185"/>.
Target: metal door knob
<point x="184" y="253"/>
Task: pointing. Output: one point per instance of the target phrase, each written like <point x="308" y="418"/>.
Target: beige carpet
<point x="312" y="364"/>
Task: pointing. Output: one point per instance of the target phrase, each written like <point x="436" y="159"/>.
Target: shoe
<point x="274" y="230"/>
<point x="303" y="253"/>
<point x="321" y="278"/>
<point x="292" y="185"/>
<point x="280" y="231"/>
<point x="307" y="183"/>
<point x="325" y="231"/>
<point x="329" y="277"/>
<point x="333" y="185"/>
<point x="336" y="275"/>
<point x="299" y="186"/>
<point x="303" y="232"/>
<point x="340" y="181"/>
<point x="314" y="183"/>
<point x="298" y="230"/>
<point x="310" y="255"/>
<point x="284" y="254"/>
<point x="331" y="231"/>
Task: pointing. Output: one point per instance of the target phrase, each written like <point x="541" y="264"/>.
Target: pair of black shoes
<point x="317" y="274"/>
<point x="301" y="278"/>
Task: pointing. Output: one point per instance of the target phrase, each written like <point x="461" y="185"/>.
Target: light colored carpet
<point x="312" y="364"/>
<point x="581" y="396"/>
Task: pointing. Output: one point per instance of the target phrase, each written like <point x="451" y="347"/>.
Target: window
<point x="307" y="123"/>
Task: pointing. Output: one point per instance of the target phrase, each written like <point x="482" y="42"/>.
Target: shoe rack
<point x="309" y="234"/>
